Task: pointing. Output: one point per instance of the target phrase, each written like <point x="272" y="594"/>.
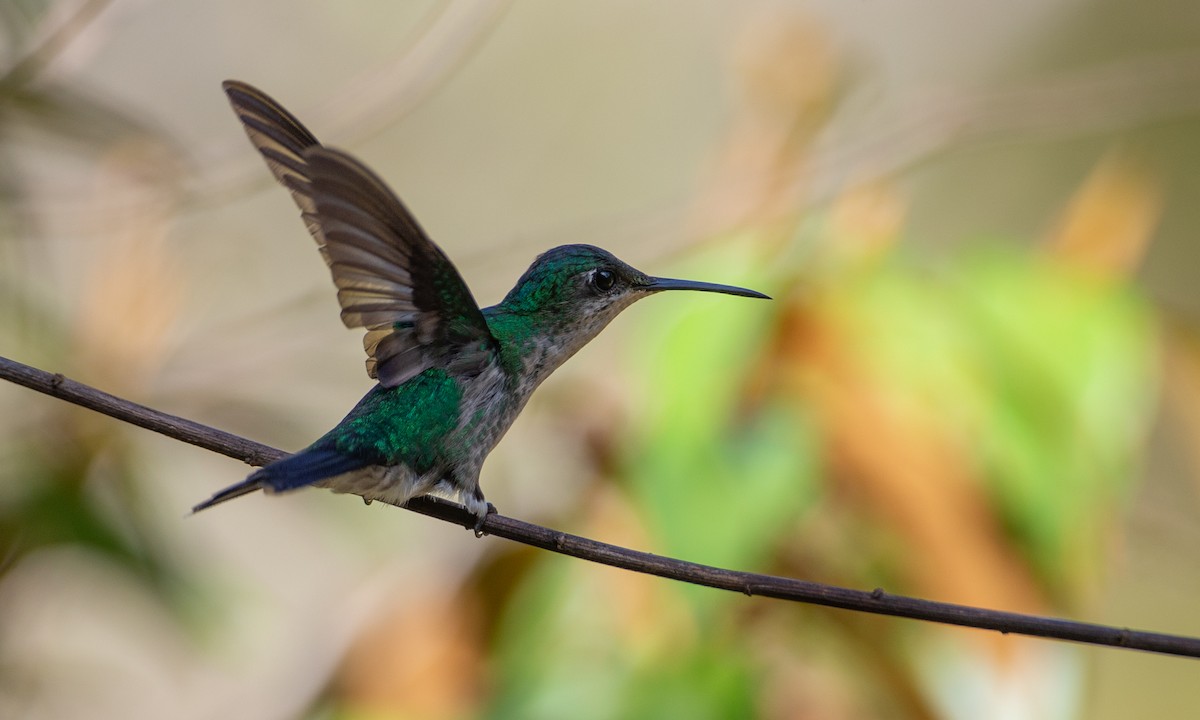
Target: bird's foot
<point x="489" y="509"/>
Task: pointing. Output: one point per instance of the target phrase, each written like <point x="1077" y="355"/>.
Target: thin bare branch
<point x="876" y="601"/>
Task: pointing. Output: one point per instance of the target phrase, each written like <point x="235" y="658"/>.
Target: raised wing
<point x="281" y="139"/>
<point x="391" y="278"/>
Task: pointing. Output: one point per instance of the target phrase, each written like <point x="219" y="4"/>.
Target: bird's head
<point x="579" y="289"/>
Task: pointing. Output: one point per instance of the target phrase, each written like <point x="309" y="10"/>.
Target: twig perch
<point x="876" y="601"/>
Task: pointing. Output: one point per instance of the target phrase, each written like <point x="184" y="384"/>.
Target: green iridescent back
<point x="408" y="424"/>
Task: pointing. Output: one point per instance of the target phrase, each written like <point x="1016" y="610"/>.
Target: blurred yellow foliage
<point x="1109" y="223"/>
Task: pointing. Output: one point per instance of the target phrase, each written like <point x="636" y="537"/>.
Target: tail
<point x="245" y="487"/>
<point x="295" y="471"/>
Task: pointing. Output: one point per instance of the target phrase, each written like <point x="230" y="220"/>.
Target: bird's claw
<point x="479" y="519"/>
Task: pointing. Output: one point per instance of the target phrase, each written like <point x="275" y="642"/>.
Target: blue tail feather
<point x="304" y="468"/>
<point x="307" y="467"/>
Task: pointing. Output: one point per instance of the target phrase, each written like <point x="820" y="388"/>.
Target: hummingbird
<point x="450" y="377"/>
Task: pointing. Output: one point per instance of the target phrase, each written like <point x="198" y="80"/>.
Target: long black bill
<point x="657" y="284"/>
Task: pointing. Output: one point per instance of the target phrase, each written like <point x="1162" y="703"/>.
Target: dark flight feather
<point x="391" y="279"/>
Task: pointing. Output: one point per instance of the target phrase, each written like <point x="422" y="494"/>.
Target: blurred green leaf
<point x="1047" y="374"/>
<point x="717" y="487"/>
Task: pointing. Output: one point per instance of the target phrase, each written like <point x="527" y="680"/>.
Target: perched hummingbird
<point x="451" y="377"/>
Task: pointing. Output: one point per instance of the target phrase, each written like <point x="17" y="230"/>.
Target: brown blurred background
<point x="978" y="382"/>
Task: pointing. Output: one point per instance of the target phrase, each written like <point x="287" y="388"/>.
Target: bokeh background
<point x="978" y="381"/>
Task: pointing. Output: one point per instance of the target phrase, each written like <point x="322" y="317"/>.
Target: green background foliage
<point x="976" y="382"/>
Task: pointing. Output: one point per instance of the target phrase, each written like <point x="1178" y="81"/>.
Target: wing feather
<point x="391" y="278"/>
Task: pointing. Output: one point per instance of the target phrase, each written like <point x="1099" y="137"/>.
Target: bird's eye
<point x="603" y="280"/>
